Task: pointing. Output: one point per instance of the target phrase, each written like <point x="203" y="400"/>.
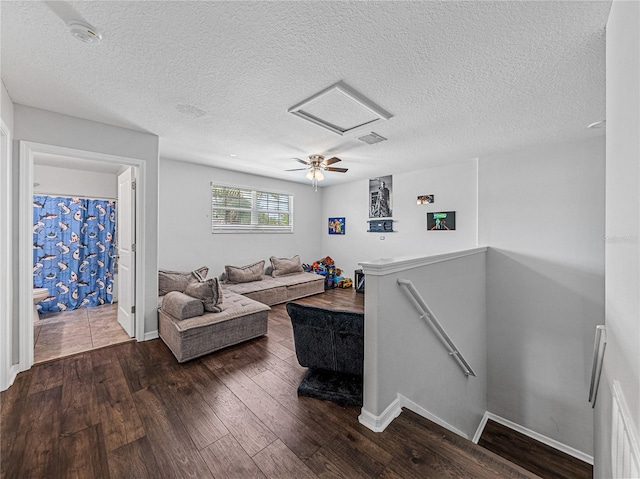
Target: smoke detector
<point x="84" y="32"/>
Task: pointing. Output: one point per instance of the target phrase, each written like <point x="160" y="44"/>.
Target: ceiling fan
<point x="316" y="165"/>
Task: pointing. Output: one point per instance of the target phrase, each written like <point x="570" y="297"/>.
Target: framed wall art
<point x="337" y="226"/>
<point x="442" y="221"/>
<point x="381" y="197"/>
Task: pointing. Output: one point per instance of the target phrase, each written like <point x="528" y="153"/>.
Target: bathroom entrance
<point x="78" y="219"/>
<point x="82" y="279"/>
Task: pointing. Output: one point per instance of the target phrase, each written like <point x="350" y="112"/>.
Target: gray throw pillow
<point x="181" y="306"/>
<point x="282" y="266"/>
<point x="178" y="280"/>
<point x="209" y="292"/>
<point x="244" y="274"/>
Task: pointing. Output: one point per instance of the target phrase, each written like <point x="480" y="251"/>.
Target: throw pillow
<point x="282" y="266"/>
<point x="181" y="306"/>
<point x="209" y="292"/>
<point x="244" y="274"/>
<point x="178" y="280"/>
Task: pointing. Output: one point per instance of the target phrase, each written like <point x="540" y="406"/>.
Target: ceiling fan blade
<point x="331" y="161"/>
<point x="297" y="169"/>
<point x="339" y="170"/>
<point x="301" y="161"/>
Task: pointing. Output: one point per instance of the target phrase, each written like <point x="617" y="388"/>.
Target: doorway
<point x="77" y="205"/>
<point x="31" y="154"/>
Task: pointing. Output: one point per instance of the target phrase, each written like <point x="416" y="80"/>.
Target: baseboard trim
<point x="151" y="335"/>
<point x="420" y="411"/>
<point x="533" y="435"/>
<point x="481" y="426"/>
<point x="14" y="370"/>
<point x="380" y="423"/>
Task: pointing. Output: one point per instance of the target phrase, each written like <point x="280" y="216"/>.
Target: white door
<point x="126" y="250"/>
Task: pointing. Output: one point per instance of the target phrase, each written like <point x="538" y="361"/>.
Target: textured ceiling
<point x="215" y="79"/>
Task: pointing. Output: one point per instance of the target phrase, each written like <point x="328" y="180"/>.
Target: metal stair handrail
<point x="598" y="356"/>
<point x="444" y="337"/>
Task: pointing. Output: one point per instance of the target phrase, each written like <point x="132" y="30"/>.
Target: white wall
<point x="403" y="354"/>
<point x="542" y="214"/>
<point x="41" y="126"/>
<point x="185" y="238"/>
<point x="622" y="356"/>
<point x="455" y="189"/>
<point x="54" y="180"/>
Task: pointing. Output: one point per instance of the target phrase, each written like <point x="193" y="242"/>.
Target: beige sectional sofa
<point x="190" y="332"/>
<point x="280" y="289"/>
<point x="241" y="319"/>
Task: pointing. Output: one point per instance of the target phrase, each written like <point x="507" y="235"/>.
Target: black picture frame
<point x="381" y="197"/>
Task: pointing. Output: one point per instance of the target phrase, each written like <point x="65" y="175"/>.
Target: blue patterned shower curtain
<point x="73" y="251"/>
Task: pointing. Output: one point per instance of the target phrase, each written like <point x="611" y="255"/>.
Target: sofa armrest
<point x="182" y="306"/>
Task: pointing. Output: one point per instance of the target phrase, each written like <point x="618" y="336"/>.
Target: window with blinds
<point x="243" y="210"/>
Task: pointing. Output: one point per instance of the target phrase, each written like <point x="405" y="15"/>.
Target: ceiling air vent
<point x="339" y="109"/>
<point x="372" y="138"/>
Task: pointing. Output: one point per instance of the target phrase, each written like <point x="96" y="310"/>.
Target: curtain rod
<point x="74" y="196"/>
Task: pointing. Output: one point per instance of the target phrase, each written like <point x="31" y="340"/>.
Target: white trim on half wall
<point x="380" y="423"/>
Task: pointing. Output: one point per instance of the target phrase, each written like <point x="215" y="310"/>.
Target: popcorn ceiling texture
<point x="462" y="79"/>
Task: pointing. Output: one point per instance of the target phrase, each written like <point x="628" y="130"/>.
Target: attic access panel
<point x="339" y="109"/>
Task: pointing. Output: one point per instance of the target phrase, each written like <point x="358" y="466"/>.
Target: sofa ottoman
<point x="241" y="319"/>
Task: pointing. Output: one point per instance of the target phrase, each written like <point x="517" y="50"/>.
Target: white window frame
<point x="254" y="227"/>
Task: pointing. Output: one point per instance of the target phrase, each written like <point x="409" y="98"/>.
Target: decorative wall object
<point x="337" y="226"/>
<point x="442" y="221"/>
<point x="380" y="197"/>
<point x="426" y="199"/>
<point x="380" y="226"/>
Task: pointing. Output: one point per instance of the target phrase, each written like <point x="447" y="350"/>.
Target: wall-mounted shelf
<point x="380" y="226"/>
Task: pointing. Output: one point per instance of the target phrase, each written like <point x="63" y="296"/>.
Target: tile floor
<point x="62" y="334"/>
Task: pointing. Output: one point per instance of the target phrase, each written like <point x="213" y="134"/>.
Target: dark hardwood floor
<point x="534" y="456"/>
<point x="132" y="411"/>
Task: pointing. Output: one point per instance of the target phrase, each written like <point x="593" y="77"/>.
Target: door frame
<point x="28" y="150"/>
<point x="7" y="370"/>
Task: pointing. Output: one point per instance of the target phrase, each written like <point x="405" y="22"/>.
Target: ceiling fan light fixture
<point x="315" y="167"/>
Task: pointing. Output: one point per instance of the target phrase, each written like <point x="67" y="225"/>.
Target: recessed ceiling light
<point x="84" y="32"/>
<point x="598" y="124"/>
<point x="232" y="155"/>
